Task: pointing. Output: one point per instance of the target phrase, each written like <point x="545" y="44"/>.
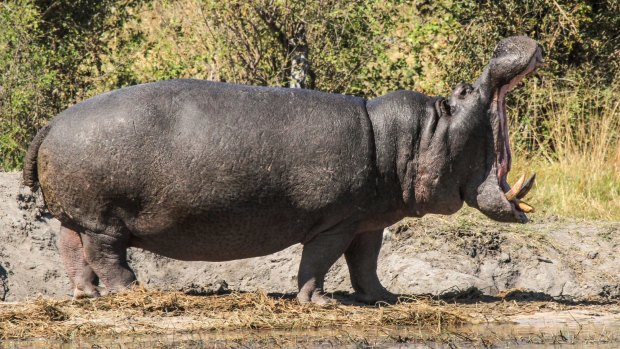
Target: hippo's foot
<point x="361" y="258"/>
<point x="318" y="256"/>
<point x="105" y="291"/>
<point x="79" y="271"/>
<point x="106" y="253"/>
<point x="317" y="297"/>
<point x="382" y="296"/>
<point x="92" y="292"/>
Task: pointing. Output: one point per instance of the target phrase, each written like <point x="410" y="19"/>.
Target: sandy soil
<point x="449" y="256"/>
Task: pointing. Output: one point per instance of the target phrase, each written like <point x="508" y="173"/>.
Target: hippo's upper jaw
<point x="446" y="151"/>
<point x="513" y="59"/>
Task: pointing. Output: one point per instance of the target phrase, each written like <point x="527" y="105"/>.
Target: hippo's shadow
<point x="4" y="288"/>
<point x="474" y="295"/>
<point x="342" y="297"/>
<point x="455" y="295"/>
<point x="471" y="295"/>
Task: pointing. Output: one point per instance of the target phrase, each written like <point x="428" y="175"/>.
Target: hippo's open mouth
<point x="520" y="188"/>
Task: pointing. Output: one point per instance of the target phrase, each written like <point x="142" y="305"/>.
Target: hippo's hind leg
<point x="317" y="257"/>
<point x="361" y="257"/>
<point x="106" y="253"/>
<point x="72" y="255"/>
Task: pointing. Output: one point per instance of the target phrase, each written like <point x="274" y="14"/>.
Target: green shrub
<point x="56" y="53"/>
<point x="52" y="55"/>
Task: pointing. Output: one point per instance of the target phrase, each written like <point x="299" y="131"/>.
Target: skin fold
<point x="199" y="170"/>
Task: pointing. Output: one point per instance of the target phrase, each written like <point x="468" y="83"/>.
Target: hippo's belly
<point x="221" y="236"/>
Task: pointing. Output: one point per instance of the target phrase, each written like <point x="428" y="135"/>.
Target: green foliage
<point x="582" y="53"/>
<point x="24" y="82"/>
<point x="254" y="42"/>
<point x="54" y="53"/>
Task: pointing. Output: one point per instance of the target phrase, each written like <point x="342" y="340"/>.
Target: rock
<point x="217" y="287"/>
<point x="610" y="291"/>
<point x="504" y="257"/>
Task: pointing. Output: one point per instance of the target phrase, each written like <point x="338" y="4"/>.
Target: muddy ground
<point x="547" y="258"/>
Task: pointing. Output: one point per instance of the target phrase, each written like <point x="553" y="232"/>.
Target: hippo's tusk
<point x="526" y="187"/>
<point x="519" y="190"/>
<point x="524" y="207"/>
<point x="516" y="188"/>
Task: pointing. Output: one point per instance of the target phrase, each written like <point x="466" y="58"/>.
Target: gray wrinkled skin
<point x="199" y="170"/>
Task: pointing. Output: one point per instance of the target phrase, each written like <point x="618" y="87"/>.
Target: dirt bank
<point x="435" y="255"/>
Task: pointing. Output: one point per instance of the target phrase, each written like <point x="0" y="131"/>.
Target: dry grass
<point x="148" y="312"/>
<point x="240" y="320"/>
<point x="573" y="189"/>
<point x="577" y="160"/>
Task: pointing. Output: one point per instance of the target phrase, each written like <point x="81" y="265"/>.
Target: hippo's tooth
<point x="524" y="206"/>
<point x="515" y="189"/>
<point x="526" y="187"/>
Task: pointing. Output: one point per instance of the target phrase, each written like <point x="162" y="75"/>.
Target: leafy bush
<point x="52" y="55"/>
<point x="56" y="53"/>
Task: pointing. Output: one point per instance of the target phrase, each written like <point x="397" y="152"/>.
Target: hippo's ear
<point x="444" y="108"/>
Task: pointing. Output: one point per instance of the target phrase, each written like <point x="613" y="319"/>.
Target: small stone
<point x="504" y="257"/>
<point x="592" y="254"/>
<point x="218" y="287"/>
<point x="387" y="234"/>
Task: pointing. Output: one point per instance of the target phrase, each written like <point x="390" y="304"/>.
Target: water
<point x="526" y="333"/>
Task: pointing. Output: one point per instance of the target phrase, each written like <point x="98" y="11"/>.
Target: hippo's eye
<point x="463" y="90"/>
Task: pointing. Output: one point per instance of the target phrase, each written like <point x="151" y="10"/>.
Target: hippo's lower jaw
<point x="513" y="195"/>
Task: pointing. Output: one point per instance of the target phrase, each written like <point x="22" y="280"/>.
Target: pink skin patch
<point x="504" y="158"/>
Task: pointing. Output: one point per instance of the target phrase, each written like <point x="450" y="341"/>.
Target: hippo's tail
<point x="30" y="175"/>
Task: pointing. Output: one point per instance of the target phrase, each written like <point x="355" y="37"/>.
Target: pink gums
<point x="504" y="157"/>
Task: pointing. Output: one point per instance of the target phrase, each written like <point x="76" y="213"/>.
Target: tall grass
<point x="571" y="139"/>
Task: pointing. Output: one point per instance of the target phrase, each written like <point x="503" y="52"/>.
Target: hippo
<point x="210" y="171"/>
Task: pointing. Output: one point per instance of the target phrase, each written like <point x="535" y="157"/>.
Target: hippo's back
<point x="195" y="158"/>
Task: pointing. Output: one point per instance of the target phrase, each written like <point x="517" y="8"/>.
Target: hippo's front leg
<point x="318" y="255"/>
<point x="361" y="257"/>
